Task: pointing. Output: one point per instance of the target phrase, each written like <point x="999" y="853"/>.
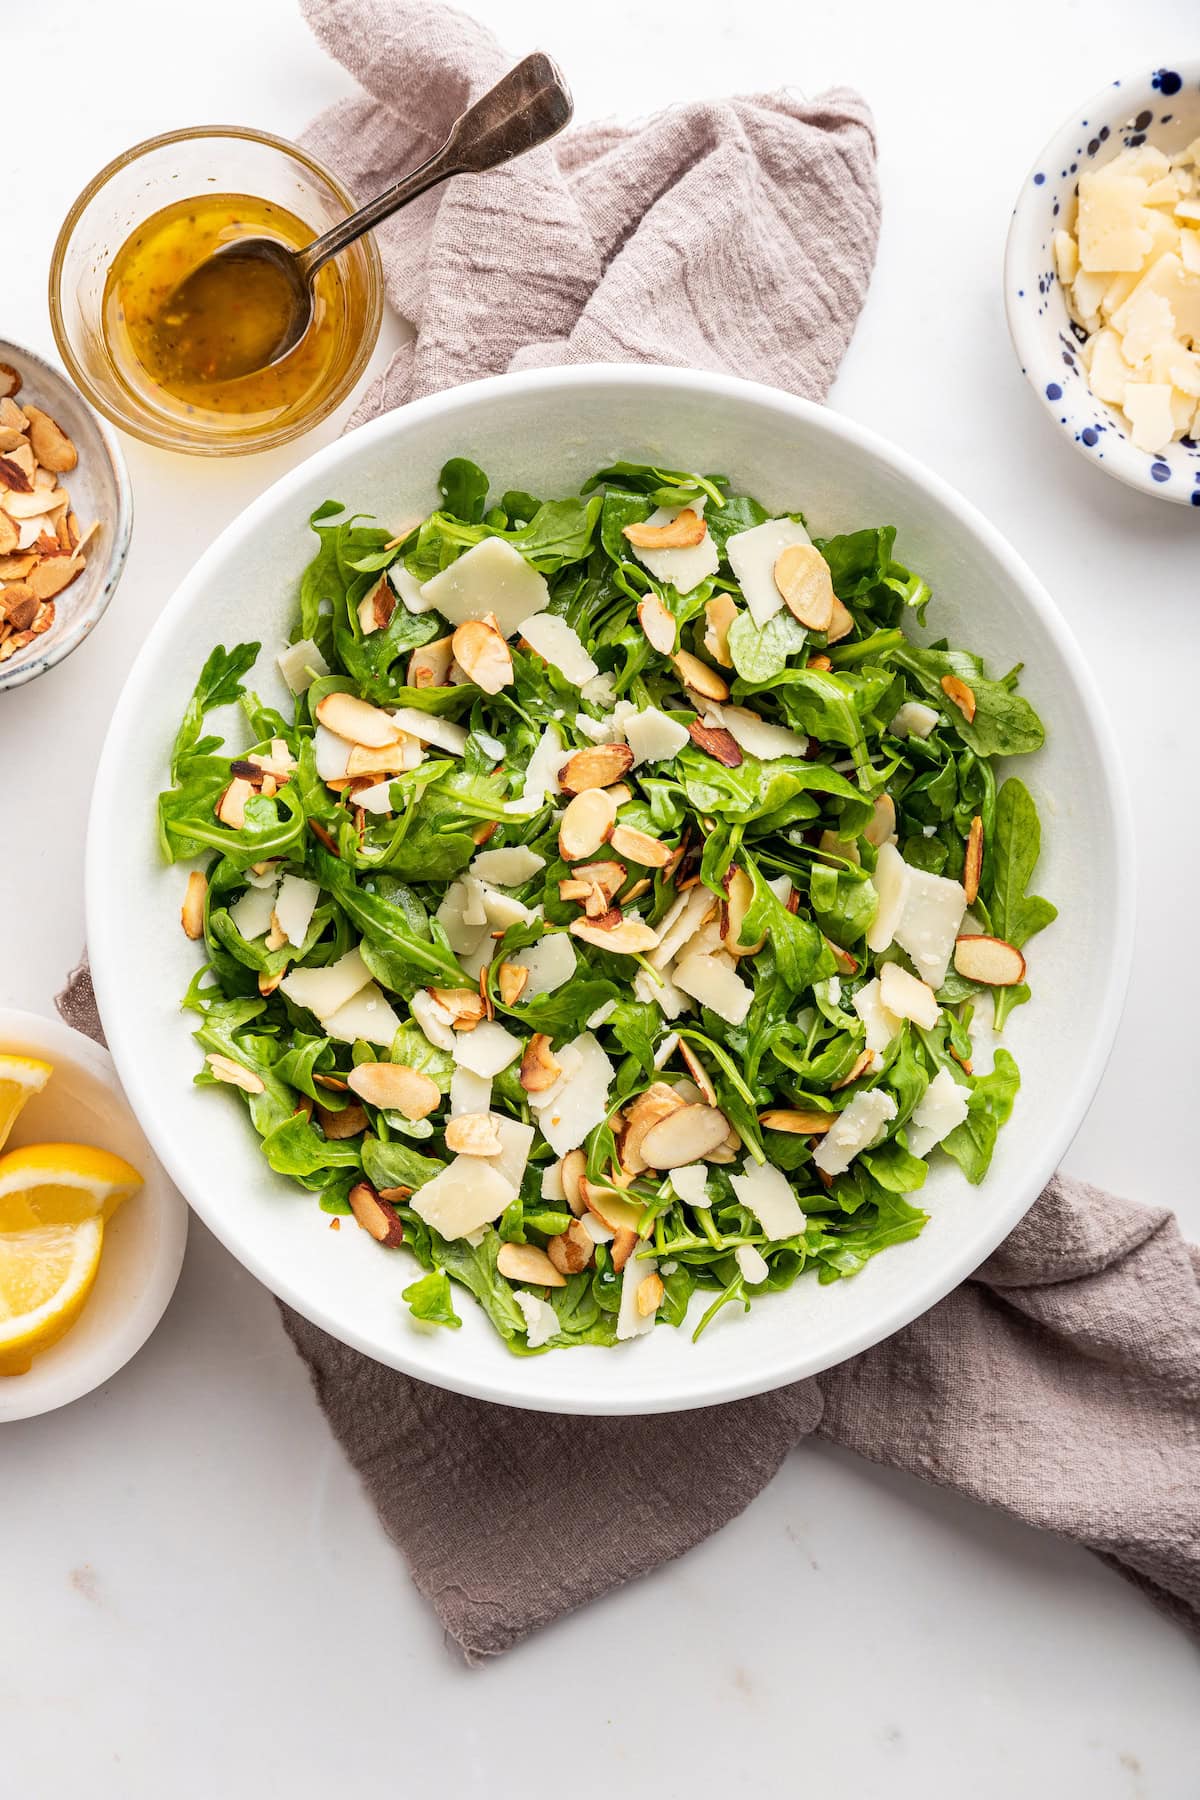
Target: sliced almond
<point x="234" y="1074"/>
<point x="596" y="901"/>
<point x="32" y="505"/>
<point x="720" y="613"/>
<point x="586" y="824"/>
<point x="19" y="605"/>
<point x="739" y="896"/>
<point x="55" y="574"/>
<point x="658" y="1102"/>
<point x="539" y="1070"/>
<point x="621" y="792"/>
<point x="17" y="566"/>
<point x="973" y="860"/>
<point x="14" y="480"/>
<point x="960" y="695"/>
<point x="84" y="539"/>
<point x="609" y="877"/>
<point x="525" y="1262"/>
<point x="377" y="605"/>
<point x="512" y="980"/>
<point x="657" y="623"/>
<point x="717" y="742"/>
<point x="638" y="889"/>
<point x="266" y="987"/>
<point x="573" y="888"/>
<point x="376" y="1215"/>
<point x="847" y="964"/>
<point x="796" y="1120"/>
<point x="698" y="1072"/>
<point x="571" y="1173"/>
<point x="819" y="662"/>
<point x="991" y="960"/>
<point x="465" y="1006"/>
<point x="613" y="932"/>
<point x="473" y="1134"/>
<point x="882" y="823"/>
<point x="803" y="578"/>
<point x="483" y="656"/>
<point x="596" y="767"/>
<point x="394" y="1193"/>
<point x="649" y="1295"/>
<point x="839" y="627"/>
<point x="622" y="1247"/>
<point x="346" y="1122"/>
<point x="231" y="807"/>
<point x="685" y="1136"/>
<point x="395" y="1087"/>
<point x="191" y="912"/>
<point x="572" y="1250"/>
<point x="618" y="1213"/>
<point x="10" y="439"/>
<point x="697" y="676"/>
<point x="334" y="1083"/>
<point x="50" y="443"/>
<point x="640" y="847"/>
<point x="862" y="1063"/>
<point x="684" y="530"/>
<point x="357" y="721"/>
<point x="381" y="759"/>
<point x="429" y="665"/>
<point x="10" y="381"/>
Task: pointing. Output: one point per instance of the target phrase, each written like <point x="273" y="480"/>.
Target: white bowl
<point x="545" y="432"/>
<point x="143" y="1242"/>
<point x="1162" y="105"/>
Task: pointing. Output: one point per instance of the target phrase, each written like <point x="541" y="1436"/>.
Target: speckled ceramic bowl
<point x="99" y="489"/>
<point x="1161" y="105"/>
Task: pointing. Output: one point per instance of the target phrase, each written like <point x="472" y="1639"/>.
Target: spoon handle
<point x="524" y="109"/>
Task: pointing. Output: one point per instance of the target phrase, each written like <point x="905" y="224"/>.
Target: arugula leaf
<point x="989" y="1106"/>
<point x="1004" y="724"/>
<point x="429" y="1300"/>
<point x="760" y="652"/>
<point x="219" y="685"/>
<point x="463" y="487"/>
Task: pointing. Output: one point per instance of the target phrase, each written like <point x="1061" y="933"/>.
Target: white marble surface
<point x="197" y="1599"/>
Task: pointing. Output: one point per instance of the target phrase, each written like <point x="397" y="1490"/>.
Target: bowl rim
<point x="105" y="932"/>
<point x="165" y="440"/>
<point x="16" y="672"/>
<point x="61" y="1044"/>
<point x="1122" y="462"/>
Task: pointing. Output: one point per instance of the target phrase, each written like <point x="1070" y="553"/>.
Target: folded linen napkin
<point x="1061" y="1383"/>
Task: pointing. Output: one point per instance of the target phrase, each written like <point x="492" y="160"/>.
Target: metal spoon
<point x="524" y="109"/>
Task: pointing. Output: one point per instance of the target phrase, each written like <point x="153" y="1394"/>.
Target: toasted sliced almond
<point x="609" y="877"/>
<point x="394" y="1193"/>
<point x="839" y="626"/>
<point x="618" y="1213"/>
<point x="231" y="807"/>
<point x="482" y="654"/>
<point x="572" y="1250"/>
<point x="10" y="439"/>
<point x="357" y="720"/>
<point x="687" y="1135"/>
<point x="621" y="792"/>
<point x="720" y="613"/>
<point x="192" y="911"/>
<point x="10" y="537"/>
<point x="17" y="566"/>
<point x="657" y="623"/>
<point x="18" y="605"/>
<point x="573" y="889"/>
<point x="973" y="860"/>
<point x="658" y="1102"/>
<point x="960" y="695"/>
<point x="639" y="847"/>
<point x="334" y="1083"/>
<point x="698" y="1072"/>
<point x="622" y="1247"/>
<point x="473" y="1134"/>
<point x="377" y="605"/>
<point x="383" y="759"/>
<point x="55" y="574"/>
<point x="797" y="1120"/>
<point x="717" y="742"/>
<point x="539" y="1070"/>
<point x="225" y="1069"/>
<point x="525" y="1262"/>
<point x="882" y="823"/>
<point x="465" y="1006"/>
<point x="51" y="445"/>
<point x="596" y="901"/>
<point x="512" y="980"/>
<point x="739" y="896"/>
<point x="862" y="1063"/>
<point x="596" y="767"/>
<point x="571" y="1173"/>
<point x="613" y="932"/>
<point x="586" y="824"/>
<point x="396" y="1087"/>
<point x="803" y="578"/>
<point x="84" y="539"/>
<point x="991" y="960"/>
<point x="697" y="676"/>
<point x="847" y="964"/>
<point x="649" y="1295"/>
<point x="346" y="1122"/>
<point x="376" y="1215"/>
<point x="819" y="662"/>
<point x="10" y="381"/>
<point x="684" y="530"/>
<point x="429" y="665"/>
<point x="14" y="480"/>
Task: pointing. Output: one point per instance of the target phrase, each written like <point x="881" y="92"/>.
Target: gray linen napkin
<point x="1062" y="1382"/>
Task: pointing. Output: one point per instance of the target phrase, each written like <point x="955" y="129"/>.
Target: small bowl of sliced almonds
<point x="66" y="511"/>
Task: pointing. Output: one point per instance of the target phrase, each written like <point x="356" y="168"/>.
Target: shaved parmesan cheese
<point x="1147" y="406"/>
<point x="502" y="910"/>
<point x="756" y="735"/>
<point x="602" y="1015"/>
<point x="541" y="773"/>
<point x="541" y="1320"/>
<point x="434" y="1021"/>
<point x="295" y="904"/>
<point x="881" y="1025"/>
<point x="509" y="867"/>
<point x="914" y="719"/>
<point x="929" y="922"/>
<point x="408" y="590"/>
<point x="432" y="730"/>
<point x="857" y="1128"/>
<point x="368" y="1015"/>
<point x="753" y="1265"/>
<point x="490" y="745"/>
<point x="469" y="1093"/>
<point x="332" y="753"/>
<point x="465" y="1196"/>
<point x="597" y="1230"/>
<point x="652" y="736"/>
<point x="681" y="921"/>
<point x="666" y="1050"/>
<point x="267" y="875"/>
<point x="551" y="963"/>
<point x="462" y="931"/>
<point x="670" y="1000"/>
<point x="719" y="988"/>
<point x="252" y="913"/>
<point x="581" y="1101"/>
<point x="552" y="1186"/>
<point x="487" y="1049"/>
<point x="490" y="577"/>
<point x="768" y="1194"/>
<point x="690" y="1182"/>
<point x="890" y="882"/>
<point x="943" y="1106"/>
<point x="301" y="664"/>
<point x="906" y="997"/>
<point x="516" y="1141"/>
<point x="559" y="643"/>
<point x="323" y="991"/>
<point x="683" y="569"/>
<point x="752" y="556"/>
<point x="630" y="1322"/>
<point x="377" y="799"/>
<point x="600" y="691"/>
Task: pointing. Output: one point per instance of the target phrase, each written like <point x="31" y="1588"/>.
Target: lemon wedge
<point x="46" y="1275"/>
<point x="61" y="1184"/>
<point x="21" y="1077"/>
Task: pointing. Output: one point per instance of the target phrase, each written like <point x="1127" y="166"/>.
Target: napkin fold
<point x="1061" y="1383"/>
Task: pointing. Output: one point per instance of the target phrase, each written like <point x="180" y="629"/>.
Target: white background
<point x="197" y="1599"/>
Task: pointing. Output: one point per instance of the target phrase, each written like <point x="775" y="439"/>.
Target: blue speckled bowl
<point x="1162" y="105"/>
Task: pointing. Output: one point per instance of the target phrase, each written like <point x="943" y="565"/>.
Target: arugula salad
<point x="622" y="907"/>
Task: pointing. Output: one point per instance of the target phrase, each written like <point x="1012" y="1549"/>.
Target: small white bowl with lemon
<point x="91" y="1231"/>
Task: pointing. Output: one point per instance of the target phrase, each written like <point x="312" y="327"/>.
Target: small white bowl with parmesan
<point x="1102" y="280"/>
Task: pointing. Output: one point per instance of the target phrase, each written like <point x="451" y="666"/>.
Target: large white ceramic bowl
<point x="545" y="432"/>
